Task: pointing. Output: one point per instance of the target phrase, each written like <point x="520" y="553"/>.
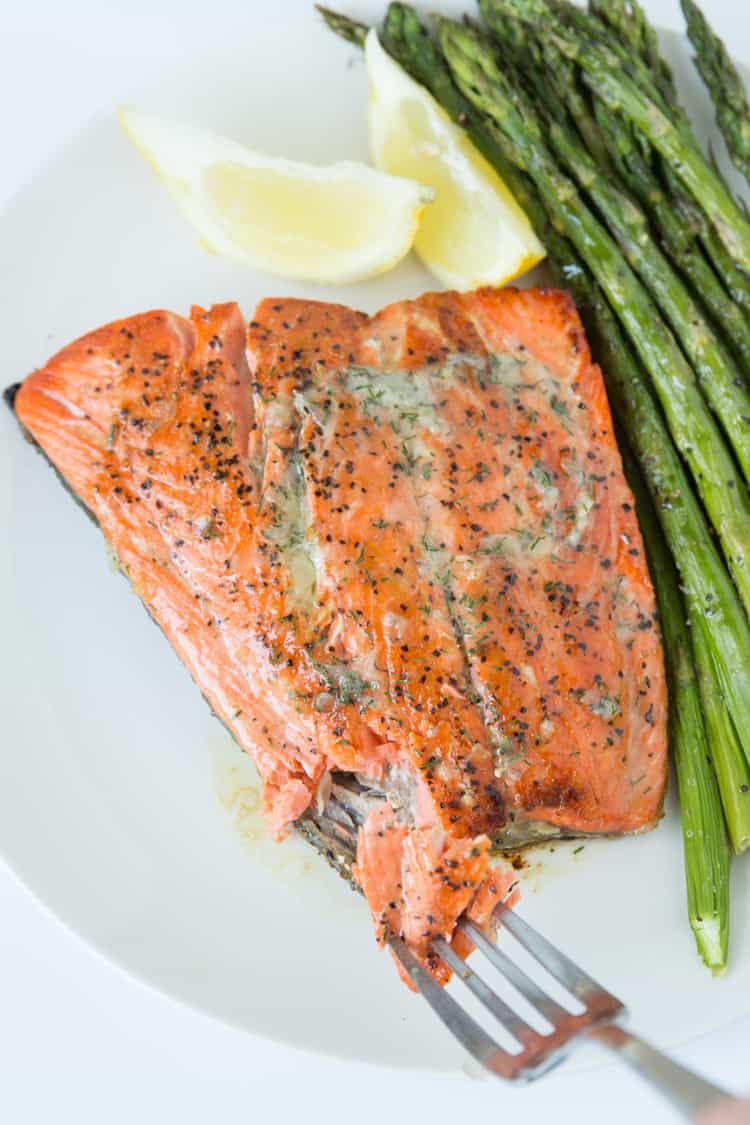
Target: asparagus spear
<point x="552" y="65"/>
<point x="724" y="84"/>
<point x="553" y="78"/>
<point x="622" y="15"/>
<point x="678" y="221"/>
<point x="628" y="21"/>
<point x="543" y="14"/>
<point x="736" y="283"/>
<point x="676" y="233"/>
<point x="731" y="768"/>
<point x="704" y="837"/>
<point x="686" y="160"/>
<point x="607" y="77"/>
<point x="716" y="372"/>
<point x="551" y="85"/>
<point x="637" y="51"/>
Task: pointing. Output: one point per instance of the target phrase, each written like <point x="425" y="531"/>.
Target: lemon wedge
<point x="474" y="233"/>
<point x="339" y="223"/>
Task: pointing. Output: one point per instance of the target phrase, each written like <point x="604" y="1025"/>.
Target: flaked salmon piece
<point x="419" y="881"/>
<point x="400" y="559"/>
<point x="380" y="853"/>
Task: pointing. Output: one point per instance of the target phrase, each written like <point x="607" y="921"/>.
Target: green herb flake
<point x="563" y="413"/>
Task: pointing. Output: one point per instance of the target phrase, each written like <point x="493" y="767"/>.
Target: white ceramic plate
<point x="123" y="805"/>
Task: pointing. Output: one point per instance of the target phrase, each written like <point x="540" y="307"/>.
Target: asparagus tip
<point x="344" y="26"/>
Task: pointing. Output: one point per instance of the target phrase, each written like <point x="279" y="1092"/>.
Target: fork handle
<point x="687" y="1092"/>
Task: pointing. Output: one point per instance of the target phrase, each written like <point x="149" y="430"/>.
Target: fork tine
<point x="528" y="988"/>
<point x="549" y="957"/>
<point x="472" y="1037"/>
<point x="509" y="1019"/>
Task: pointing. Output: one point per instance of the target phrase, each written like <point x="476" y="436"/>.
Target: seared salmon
<point x="398" y="556"/>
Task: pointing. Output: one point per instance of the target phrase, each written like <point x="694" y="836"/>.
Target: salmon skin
<point x="399" y="557"/>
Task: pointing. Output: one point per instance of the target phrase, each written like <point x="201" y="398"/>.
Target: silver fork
<point x="539" y="1052"/>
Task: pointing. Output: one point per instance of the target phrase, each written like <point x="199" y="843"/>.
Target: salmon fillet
<point x="399" y="558"/>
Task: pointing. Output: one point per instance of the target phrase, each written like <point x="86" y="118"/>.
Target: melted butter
<point x="408" y="397"/>
<point x="240" y="792"/>
<point x="584" y="503"/>
<point x="549" y="860"/>
<point x="291" y="861"/>
<point x="295" y="537"/>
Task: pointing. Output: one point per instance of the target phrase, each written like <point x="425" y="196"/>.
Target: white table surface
<point x="80" y="1041"/>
